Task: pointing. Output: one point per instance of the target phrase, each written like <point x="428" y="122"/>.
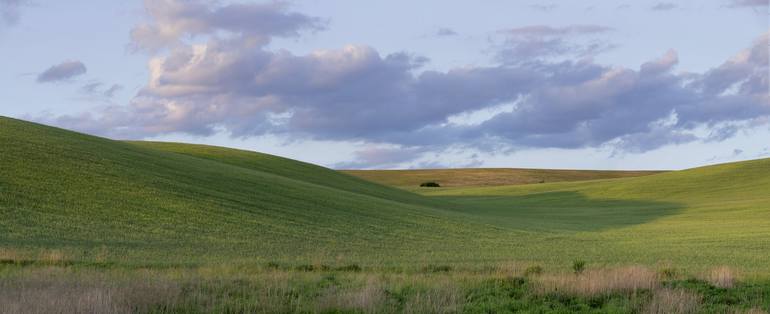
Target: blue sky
<point x="403" y="84"/>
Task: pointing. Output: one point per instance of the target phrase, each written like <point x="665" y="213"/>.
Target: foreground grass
<point x="278" y="289"/>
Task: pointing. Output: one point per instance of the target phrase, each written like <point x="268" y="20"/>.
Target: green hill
<point x="156" y="202"/>
<point x="144" y="203"/>
<point x="711" y="215"/>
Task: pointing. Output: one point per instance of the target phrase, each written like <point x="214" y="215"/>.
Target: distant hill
<point x="410" y="179"/>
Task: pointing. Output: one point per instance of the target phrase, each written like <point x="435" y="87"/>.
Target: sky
<point x="402" y="84"/>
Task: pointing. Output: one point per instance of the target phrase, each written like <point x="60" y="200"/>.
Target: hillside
<point x="146" y="203"/>
<point x="710" y="215"/>
<point x="411" y="179"/>
<point x="173" y="202"/>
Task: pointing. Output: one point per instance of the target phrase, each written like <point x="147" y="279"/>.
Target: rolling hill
<point x="187" y="203"/>
<point x="147" y="203"/>
<point x="411" y="179"/>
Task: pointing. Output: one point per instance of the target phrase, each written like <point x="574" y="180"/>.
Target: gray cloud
<point x="747" y="3"/>
<point x="546" y="7"/>
<point x="91" y="88"/>
<point x="173" y="20"/>
<point x="664" y="6"/>
<point x="9" y="11"/>
<point x="523" y="44"/>
<point x="544" y="30"/>
<point x="110" y="92"/>
<point x="62" y="72"/>
<point x="722" y="133"/>
<point x="382" y="158"/>
<point x="445" y="32"/>
<point x="357" y="94"/>
<point x="98" y="89"/>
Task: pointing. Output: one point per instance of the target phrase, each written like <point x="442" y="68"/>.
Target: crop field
<point x="212" y="229"/>
<point x="411" y="179"/>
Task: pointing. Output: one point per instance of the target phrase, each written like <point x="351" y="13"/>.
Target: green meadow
<point x="211" y="229"/>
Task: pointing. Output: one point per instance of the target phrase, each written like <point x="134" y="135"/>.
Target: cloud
<point x="664" y="6"/>
<point x="173" y="20"/>
<point x="523" y="44"/>
<point x="97" y="88"/>
<point x="62" y="72"/>
<point x="9" y="11"/>
<point x="544" y="30"/>
<point x="356" y="94"/>
<point x="112" y="90"/>
<point x="445" y="32"/>
<point x="381" y="158"/>
<point x="747" y="3"/>
<point x="545" y="7"/>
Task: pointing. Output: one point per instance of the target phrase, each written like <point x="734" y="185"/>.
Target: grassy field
<point x="220" y="224"/>
<point x="411" y="179"/>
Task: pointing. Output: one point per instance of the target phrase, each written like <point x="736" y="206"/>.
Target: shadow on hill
<point x="561" y="211"/>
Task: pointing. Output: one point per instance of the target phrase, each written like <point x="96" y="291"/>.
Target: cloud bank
<point x="212" y="70"/>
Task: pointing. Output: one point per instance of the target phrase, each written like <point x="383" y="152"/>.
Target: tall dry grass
<point x="722" y="277"/>
<point x="599" y="281"/>
<point x="66" y="289"/>
<point x="673" y="301"/>
<point x="751" y="311"/>
<point x="370" y="298"/>
<point x="51" y="291"/>
<point x="9" y="255"/>
<point x="443" y="297"/>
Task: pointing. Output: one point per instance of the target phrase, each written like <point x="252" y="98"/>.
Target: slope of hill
<point x="714" y="215"/>
<point x="174" y="202"/>
<point x="163" y="203"/>
<point x="411" y="179"/>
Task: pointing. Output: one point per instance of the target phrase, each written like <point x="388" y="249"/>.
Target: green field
<point x="178" y="203"/>
<point x="73" y="199"/>
<point x="477" y="177"/>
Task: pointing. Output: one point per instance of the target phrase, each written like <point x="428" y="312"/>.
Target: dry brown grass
<point x="10" y="255"/>
<point x="52" y="257"/>
<point x="722" y="277"/>
<point x="510" y="269"/>
<point x="598" y="282"/>
<point x="52" y="291"/>
<point x="444" y="298"/>
<point x="369" y="298"/>
<point x="673" y="301"/>
<point x="751" y="311"/>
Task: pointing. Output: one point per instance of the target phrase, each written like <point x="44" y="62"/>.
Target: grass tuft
<point x="599" y="282"/>
<point x="437" y="269"/>
<point x="578" y="266"/>
<point x="673" y="301"/>
<point x="722" y="277"/>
